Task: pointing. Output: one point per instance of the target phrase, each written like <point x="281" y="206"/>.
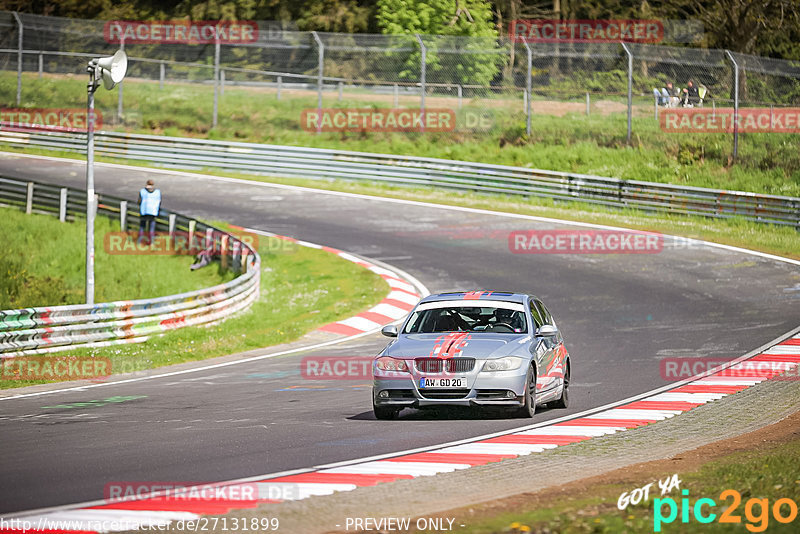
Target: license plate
<point x="459" y="382"/>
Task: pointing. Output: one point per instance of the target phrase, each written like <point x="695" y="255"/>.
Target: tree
<point x="449" y="58"/>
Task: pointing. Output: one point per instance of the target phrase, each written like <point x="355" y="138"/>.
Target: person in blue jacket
<point x="149" y="206"/>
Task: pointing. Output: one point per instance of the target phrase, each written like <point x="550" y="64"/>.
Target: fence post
<point x="223" y="252"/>
<point x="655" y="107"/>
<point x="396" y="96"/>
<point x="630" y="87"/>
<point x="172" y="219"/>
<point x="123" y="215"/>
<point x="192" y="227"/>
<point x="62" y="205"/>
<point x="588" y="103"/>
<point x="19" y="56"/>
<point x="222" y="82"/>
<point x="216" y="83"/>
<point x="460" y="95"/>
<point x="529" y="74"/>
<point x="161" y="74"/>
<point x="320" y="72"/>
<point x="422" y="66"/>
<point x="119" y="86"/>
<point x="29" y="199"/>
<point x="280" y="80"/>
<point x="735" y="104"/>
<point x="341" y="86"/>
<point x="41" y="65"/>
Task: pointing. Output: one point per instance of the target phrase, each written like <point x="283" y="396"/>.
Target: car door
<point x="542" y="354"/>
<point x="550" y="370"/>
<point x="556" y="344"/>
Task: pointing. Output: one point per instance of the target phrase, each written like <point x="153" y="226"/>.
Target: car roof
<point x="477" y="296"/>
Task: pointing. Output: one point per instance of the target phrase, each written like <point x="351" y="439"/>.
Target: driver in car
<point x="509" y="317"/>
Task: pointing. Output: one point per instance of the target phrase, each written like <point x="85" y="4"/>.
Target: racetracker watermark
<point x="54" y="368"/>
<point x="378" y="120"/>
<point x="681" y="368"/>
<point x="181" y="243"/>
<point x="749" y="120"/>
<point x="586" y="31"/>
<point x="584" y="242"/>
<point x="336" y="367"/>
<point x="180" y="31"/>
<point x="115" y="492"/>
<point x="49" y="119"/>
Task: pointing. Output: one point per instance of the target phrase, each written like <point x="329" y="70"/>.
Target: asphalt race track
<point x="620" y="315"/>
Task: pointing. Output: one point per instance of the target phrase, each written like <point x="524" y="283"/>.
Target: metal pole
<point x="320" y="72"/>
<point x="19" y="56"/>
<point x="396" y="96"/>
<point x="222" y="82"/>
<point x="341" y="86"/>
<point x="588" y="102"/>
<point x="41" y="64"/>
<point x="630" y="87"/>
<point x="161" y="74"/>
<point x="90" y="190"/>
<point x="528" y="88"/>
<point x="655" y="107"/>
<point x="119" y="94"/>
<point x="279" y="88"/>
<point x="216" y="84"/>
<point x="460" y="95"/>
<point x="735" y="104"/>
<point x="422" y="65"/>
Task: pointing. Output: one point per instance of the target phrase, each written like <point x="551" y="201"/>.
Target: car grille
<point x="445" y="393"/>
<point x="450" y="365"/>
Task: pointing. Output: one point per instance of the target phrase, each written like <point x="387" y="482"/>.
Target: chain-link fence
<point x="488" y="84"/>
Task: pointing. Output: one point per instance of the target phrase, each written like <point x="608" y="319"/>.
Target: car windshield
<point x="467" y="319"/>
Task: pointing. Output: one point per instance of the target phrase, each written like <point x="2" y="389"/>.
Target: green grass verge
<point x="42" y="263"/>
<point x="595" y="144"/>
<point x="301" y="289"/>
<point x="759" y="474"/>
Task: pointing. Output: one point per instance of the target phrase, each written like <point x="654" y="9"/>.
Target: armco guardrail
<point x="319" y="163"/>
<point x="54" y="328"/>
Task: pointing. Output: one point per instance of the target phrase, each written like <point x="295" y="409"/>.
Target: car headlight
<point x="386" y="363"/>
<point x="502" y="364"/>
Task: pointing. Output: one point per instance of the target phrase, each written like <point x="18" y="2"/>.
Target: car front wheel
<point x="528" y="409"/>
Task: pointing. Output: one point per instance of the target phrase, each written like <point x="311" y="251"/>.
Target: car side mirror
<point x="547" y="330"/>
<point x="389" y="330"/>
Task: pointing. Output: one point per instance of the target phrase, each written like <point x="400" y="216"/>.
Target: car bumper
<point x="504" y="389"/>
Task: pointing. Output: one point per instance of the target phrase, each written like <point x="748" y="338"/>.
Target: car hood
<point x="457" y="344"/>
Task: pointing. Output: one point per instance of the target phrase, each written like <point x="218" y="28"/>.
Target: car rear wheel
<point x="528" y="409"/>
<point x="563" y="402"/>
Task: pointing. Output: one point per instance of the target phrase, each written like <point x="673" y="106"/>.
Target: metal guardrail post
<point x="29" y="199"/>
<point x="192" y="227"/>
<point x="528" y="76"/>
<point x="422" y="67"/>
<point x="630" y="87"/>
<point x="735" y="104"/>
<point x="62" y="204"/>
<point x="320" y="81"/>
<point x="172" y="218"/>
<point x="20" y="30"/>
<point x="41" y="65"/>
<point x="123" y="216"/>
<point x="216" y="83"/>
<point x="223" y="252"/>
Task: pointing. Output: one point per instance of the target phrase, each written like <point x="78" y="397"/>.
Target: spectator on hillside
<point x="691" y="96"/>
<point x="149" y="207"/>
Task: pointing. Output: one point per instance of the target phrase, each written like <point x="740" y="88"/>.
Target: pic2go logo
<point x="756" y="511"/>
